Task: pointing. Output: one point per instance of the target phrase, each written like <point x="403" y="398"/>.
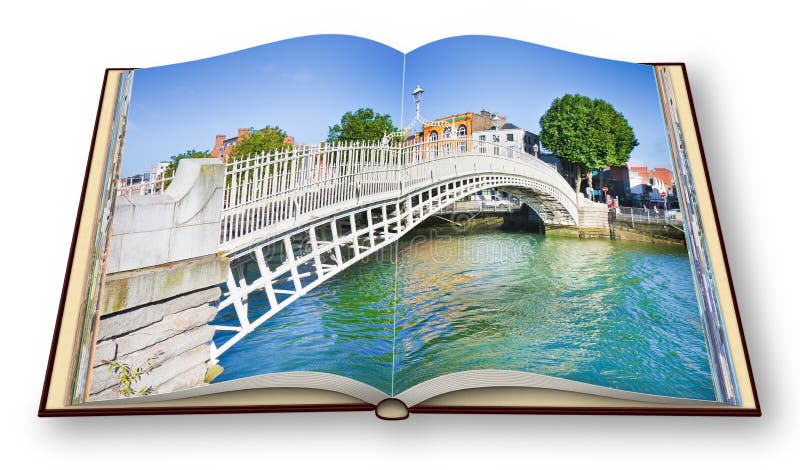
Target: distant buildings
<point x="661" y="177"/>
<point x="223" y="147"/>
<point x="648" y="185"/>
<point x="158" y="170"/>
<point x="465" y="125"/>
<point x="511" y="136"/>
<point x="480" y="127"/>
<point x="638" y="185"/>
<point x="142" y="183"/>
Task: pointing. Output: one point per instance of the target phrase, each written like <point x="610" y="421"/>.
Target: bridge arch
<point x="320" y="216"/>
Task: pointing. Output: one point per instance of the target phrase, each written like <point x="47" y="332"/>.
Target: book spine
<point x="89" y="314"/>
<point x="720" y="361"/>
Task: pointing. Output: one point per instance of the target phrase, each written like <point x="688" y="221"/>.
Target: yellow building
<point x="464" y="125"/>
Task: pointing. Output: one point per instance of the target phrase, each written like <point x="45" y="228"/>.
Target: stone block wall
<point x="160" y="328"/>
<point x="593" y="216"/>
<point x="180" y="223"/>
<point x="162" y="285"/>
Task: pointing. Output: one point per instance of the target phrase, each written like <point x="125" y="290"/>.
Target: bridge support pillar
<point x="525" y="219"/>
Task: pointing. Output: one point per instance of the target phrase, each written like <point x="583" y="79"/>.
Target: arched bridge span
<point x="293" y="219"/>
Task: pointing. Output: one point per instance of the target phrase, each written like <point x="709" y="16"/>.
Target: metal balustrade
<point x="150" y="187"/>
<point x="269" y="193"/>
<point x="649" y="216"/>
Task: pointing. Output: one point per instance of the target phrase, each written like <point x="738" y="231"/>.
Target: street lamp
<point x="417" y="94"/>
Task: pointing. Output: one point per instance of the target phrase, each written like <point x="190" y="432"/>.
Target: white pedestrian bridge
<point x="292" y="219"/>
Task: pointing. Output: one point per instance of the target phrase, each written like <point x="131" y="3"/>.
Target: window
<point x="446" y="132"/>
<point x="482" y="138"/>
<point x="510" y="137"/>
<point x="433" y="148"/>
<point x="461" y="132"/>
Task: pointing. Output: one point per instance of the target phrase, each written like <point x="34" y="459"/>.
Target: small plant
<point x="128" y="376"/>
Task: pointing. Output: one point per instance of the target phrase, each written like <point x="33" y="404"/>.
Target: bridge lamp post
<point x="417" y="94"/>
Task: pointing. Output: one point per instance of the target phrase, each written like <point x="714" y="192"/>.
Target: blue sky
<point x="305" y="84"/>
<point x="519" y="80"/>
<point x="302" y="85"/>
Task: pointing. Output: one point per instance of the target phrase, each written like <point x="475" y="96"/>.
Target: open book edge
<point x="436" y="394"/>
<point x="414" y="395"/>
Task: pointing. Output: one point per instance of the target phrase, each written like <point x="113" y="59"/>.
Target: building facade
<point x="479" y="127"/>
<point x="223" y="147"/>
<point x="647" y="186"/>
<point x="663" y="174"/>
<point x="158" y="170"/>
<point x="464" y="124"/>
<point x="511" y="137"/>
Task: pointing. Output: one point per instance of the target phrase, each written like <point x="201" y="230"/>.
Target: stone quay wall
<point x="162" y="287"/>
<point x="593" y="216"/>
<point x="157" y="320"/>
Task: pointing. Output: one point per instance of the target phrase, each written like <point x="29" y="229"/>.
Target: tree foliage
<point x="363" y="124"/>
<point x="173" y="160"/>
<point x="128" y="376"/>
<point x="587" y="132"/>
<point x="268" y="139"/>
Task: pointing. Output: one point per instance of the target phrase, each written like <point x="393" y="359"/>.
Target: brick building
<point x="223" y="147"/>
<point x="465" y="124"/>
<point x="662" y="174"/>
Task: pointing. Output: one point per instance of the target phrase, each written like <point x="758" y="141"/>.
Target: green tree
<point x="363" y="124"/>
<point x="587" y="132"/>
<point x="268" y="139"/>
<point x="173" y="161"/>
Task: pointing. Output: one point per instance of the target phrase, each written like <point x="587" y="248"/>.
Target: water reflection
<point x="616" y="314"/>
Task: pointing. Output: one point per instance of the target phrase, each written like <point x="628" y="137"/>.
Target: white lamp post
<point x="417" y="94"/>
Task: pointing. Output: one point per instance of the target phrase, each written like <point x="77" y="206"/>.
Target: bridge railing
<point x="418" y="153"/>
<point x="149" y="187"/>
<point x="266" y="192"/>
<point x="649" y="216"/>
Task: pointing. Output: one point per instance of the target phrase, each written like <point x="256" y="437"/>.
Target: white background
<point x="743" y="72"/>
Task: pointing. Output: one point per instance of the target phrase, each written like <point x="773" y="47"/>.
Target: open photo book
<point x="326" y="223"/>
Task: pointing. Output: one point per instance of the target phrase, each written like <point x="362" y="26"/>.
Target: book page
<point x="564" y="254"/>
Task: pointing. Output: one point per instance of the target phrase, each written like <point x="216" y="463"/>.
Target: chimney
<point x="486" y="114"/>
<point x="243" y="131"/>
<point x="289" y="140"/>
<point x="217" y="144"/>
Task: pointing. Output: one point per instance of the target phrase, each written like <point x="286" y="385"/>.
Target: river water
<point x="616" y="314"/>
